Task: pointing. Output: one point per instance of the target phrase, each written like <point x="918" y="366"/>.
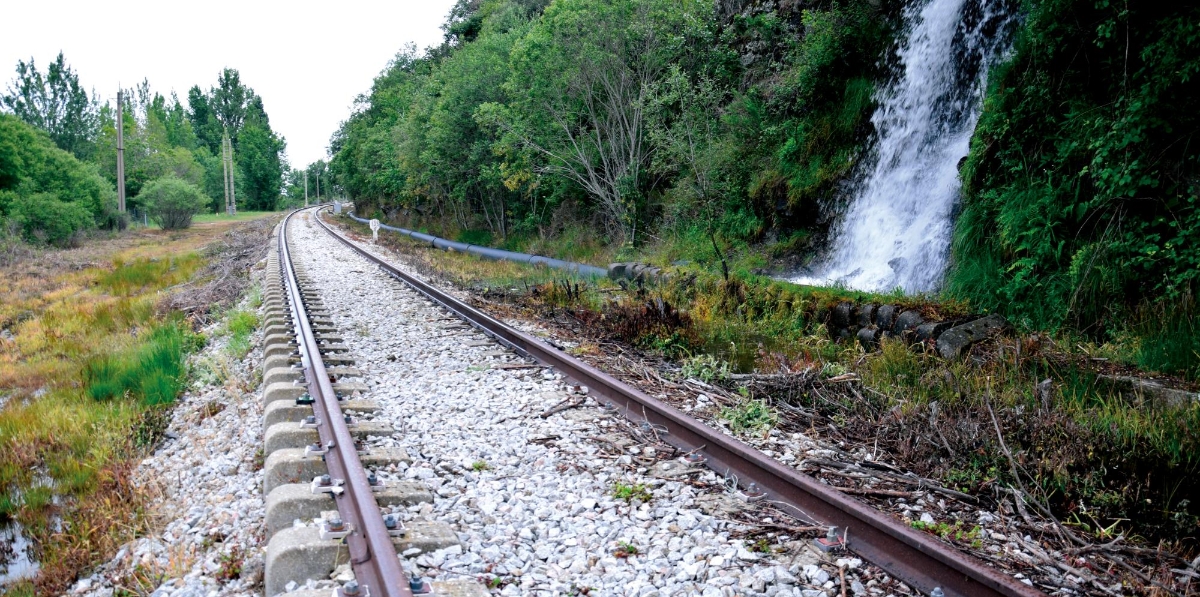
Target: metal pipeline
<point x="581" y="269"/>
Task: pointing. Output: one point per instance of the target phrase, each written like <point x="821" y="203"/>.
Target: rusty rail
<point x="372" y="556"/>
<point x="913" y="557"/>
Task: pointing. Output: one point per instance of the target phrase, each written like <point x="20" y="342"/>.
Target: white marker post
<point x="374" y="230"/>
<point x="337" y="207"/>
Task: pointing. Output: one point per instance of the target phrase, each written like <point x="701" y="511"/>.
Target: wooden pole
<point x="225" y="167"/>
<point x="306" y="188"/>
<point x="232" y="186"/>
<point x="120" y="155"/>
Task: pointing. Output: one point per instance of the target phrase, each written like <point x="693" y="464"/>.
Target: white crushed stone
<point x="209" y="519"/>
<point x="542" y="516"/>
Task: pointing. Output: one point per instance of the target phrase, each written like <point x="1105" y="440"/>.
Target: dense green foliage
<point x="172" y="202"/>
<point x="44" y="191"/>
<point x="638" y="118"/>
<point x="164" y="137"/>
<point x="56" y="103"/>
<point x="1081" y="189"/>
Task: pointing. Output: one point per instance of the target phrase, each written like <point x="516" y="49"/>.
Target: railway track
<point x="327" y="474"/>
<point x="912" y="557"/>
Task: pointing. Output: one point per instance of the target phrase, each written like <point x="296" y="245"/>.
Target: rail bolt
<point x="304" y="400"/>
<point x="418" y="586"/>
<point x="695" y="458"/>
<point x="351" y="589"/>
<point x="937" y="592"/>
<point x="831" y="541"/>
<point x="754" y="492"/>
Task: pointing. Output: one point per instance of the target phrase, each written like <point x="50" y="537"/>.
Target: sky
<point x="307" y="60"/>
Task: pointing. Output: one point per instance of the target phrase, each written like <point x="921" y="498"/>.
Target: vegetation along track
<point x="910" y="556"/>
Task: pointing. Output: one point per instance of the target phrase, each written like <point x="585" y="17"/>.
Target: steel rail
<point x="913" y="557"/>
<point x="372" y="556"/>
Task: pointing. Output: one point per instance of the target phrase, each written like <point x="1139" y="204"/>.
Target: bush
<point x="172" y="202"/>
<point x="31" y="164"/>
<point x="42" y="217"/>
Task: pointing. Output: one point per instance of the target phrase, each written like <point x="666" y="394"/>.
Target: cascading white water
<point x="896" y="230"/>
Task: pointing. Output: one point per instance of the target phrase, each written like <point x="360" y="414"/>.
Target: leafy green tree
<point x="36" y="174"/>
<point x="229" y="100"/>
<point x="259" y="156"/>
<point x="172" y="202"/>
<point x="203" y="120"/>
<point x="56" y="103"/>
<point x="580" y="81"/>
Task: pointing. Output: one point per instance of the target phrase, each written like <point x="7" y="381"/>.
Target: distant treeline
<point x="58" y="149"/>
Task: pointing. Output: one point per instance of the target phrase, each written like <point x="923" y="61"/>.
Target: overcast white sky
<point x="308" y="60"/>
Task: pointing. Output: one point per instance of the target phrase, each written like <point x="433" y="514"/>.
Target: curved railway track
<point x="913" y="557"/>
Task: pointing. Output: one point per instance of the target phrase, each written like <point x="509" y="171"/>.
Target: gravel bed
<point x="532" y="498"/>
<point x="1000" y="536"/>
<point x="206" y="485"/>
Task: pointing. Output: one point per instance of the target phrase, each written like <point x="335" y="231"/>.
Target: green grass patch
<point x="750" y="416"/>
<point x="241" y="216"/>
<point x="638" y="491"/>
<point x="152" y="371"/>
<point x="140" y="275"/>
<point x="239" y="325"/>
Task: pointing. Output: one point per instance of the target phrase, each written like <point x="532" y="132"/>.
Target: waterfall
<point x="895" y="232"/>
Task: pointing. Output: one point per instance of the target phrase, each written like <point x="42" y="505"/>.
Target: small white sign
<point x="337" y="207"/>
<point x="374" y="230"/>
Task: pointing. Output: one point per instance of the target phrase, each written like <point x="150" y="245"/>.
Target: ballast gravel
<point x="534" y="500"/>
<point x="205" y="485"/>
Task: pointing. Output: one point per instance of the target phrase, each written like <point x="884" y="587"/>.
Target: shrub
<point x="172" y="202"/>
<point x="42" y="217"/>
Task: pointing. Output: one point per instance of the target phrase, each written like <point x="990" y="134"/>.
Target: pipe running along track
<point x="911" y="556"/>
<point x="581" y="269"/>
<point x="372" y="556"/>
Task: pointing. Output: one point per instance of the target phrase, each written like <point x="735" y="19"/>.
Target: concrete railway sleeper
<point x="913" y="557"/>
<point x="317" y="467"/>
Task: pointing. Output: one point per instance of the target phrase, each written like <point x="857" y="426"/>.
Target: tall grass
<point x="151" y="372"/>
<point x="1169" y="338"/>
<point x="138" y="275"/>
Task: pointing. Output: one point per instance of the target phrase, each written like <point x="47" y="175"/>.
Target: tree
<point x="260" y="158"/>
<point x="204" y="121"/>
<point x="229" y="100"/>
<point x="55" y="103"/>
<point x="581" y="78"/>
<point x="172" y="202"/>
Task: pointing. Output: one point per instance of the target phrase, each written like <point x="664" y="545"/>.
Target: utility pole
<point x="120" y="155"/>
<point x="227" y="166"/>
<point x="318" y="186"/>
<point x="306" y="187"/>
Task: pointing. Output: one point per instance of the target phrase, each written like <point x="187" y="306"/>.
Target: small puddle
<point x="16" y="561"/>
<point x="16" y="549"/>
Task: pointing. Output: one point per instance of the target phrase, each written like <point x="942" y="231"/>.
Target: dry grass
<point x="59" y="313"/>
